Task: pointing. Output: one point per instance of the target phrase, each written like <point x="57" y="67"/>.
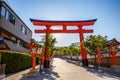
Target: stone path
<point x="64" y="70"/>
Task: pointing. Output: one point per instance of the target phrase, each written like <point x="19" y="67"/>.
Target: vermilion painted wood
<point x="99" y="55"/>
<point x="68" y="23"/>
<point x="62" y="31"/>
<point x="64" y="25"/>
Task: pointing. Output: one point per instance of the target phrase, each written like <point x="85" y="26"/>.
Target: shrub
<point x="15" y="61"/>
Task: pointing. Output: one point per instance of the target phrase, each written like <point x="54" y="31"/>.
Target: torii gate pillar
<point x="83" y="51"/>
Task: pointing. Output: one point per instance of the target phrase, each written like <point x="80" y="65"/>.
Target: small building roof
<point x="112" y="41"/>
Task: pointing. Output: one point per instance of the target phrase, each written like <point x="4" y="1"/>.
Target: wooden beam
<point x="63" y="31"/>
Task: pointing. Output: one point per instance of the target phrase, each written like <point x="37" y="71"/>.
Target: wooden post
<point x="83" y="51"/>
<point x="42" y="62"/>
<point x="47" y="54"/>
<point x="114" y="58"/>
<point x="33" y="59"/>
<point x="0" y="57"/>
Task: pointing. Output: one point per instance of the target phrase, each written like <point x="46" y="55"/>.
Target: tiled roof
<point x="111" y="41"/>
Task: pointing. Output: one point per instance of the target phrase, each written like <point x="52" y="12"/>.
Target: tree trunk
<point x="95" y="61"/>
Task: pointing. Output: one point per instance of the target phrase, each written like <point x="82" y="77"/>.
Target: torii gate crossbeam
<point x="64" y="24"/>
<point x="63" y="31"/>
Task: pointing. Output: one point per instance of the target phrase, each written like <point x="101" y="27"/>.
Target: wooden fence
<point x="106" y="61"/>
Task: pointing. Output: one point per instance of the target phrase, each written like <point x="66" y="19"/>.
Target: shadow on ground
<point x="96" y="71"/>
<point x="49" y="75"/>
<point x="75" y="62"/>
<point x="102" y="73"/>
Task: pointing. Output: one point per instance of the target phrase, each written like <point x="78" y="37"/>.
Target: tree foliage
<point x="93" y="41"/>
<point x="73" y="49"/>
<point x="49" y="43"/>
<point x="63" y="51"/>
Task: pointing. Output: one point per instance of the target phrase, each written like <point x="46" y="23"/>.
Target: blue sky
<point x="107" y="13"/>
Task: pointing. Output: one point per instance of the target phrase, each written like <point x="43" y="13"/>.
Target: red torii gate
<point x="64" y="24"/>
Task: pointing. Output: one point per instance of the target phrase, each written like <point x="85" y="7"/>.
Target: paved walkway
<point x="65" y="70"/>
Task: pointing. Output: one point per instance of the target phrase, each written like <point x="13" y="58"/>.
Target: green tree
<point x="92" y="42"/>
<point x="49" y="44"/>
<point x="63" y="51"/>
<point x="75" y="48"/>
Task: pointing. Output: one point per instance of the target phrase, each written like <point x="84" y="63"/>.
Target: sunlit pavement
<point x="68" y="71"/>
<point x="65" y="70"/>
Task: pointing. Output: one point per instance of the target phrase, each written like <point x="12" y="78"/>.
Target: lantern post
<point x="33" y="51"/>
<point x="112" y="46"/>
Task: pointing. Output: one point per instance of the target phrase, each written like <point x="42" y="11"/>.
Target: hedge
<point x="16" y="61"/>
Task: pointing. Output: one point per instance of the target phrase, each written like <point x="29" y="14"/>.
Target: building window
<point x="13" y="39"/>
<point x="23" y="29"/>
<point x="12" y="19"/>
<point x="6" y="14"/>
<point x="3" y="11"/>
<point x="18" y="42"/>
